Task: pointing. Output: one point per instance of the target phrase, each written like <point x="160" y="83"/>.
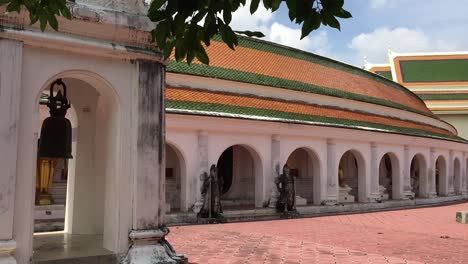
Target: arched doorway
<point x="92" y="203"/>
<point x="305" y="167"/>
<point x="238" y="167"/>
<point x="350" y="171"/>
<point x="388" y="171"/>
<point x="175" y="172"/>
<point x="457" y="176"/>
<point x="417" y="171"/>
<point x="440" y="175"/>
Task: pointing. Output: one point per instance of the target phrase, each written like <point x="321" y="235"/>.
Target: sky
<point x="404" y="26"/>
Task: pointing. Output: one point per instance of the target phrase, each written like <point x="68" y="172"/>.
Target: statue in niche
<point x="287" y="191"/>
<point x="211" y="194"/>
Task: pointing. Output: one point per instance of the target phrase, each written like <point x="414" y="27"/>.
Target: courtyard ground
<point x="424" y="235"/>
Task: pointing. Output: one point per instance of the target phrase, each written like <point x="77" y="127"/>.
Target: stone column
<point x="332" y="177"/>
<point x="464" y="175"/>
<point x="374" y="174"/>
<point x="11" y="53"/>
<point x="450" y="174"/>
<point x="275" y="169"/>
<point x="203" y="167"/>
<point x="407" y="192"/>
<point x="147" y="238"/>
<point x="431" y="174"/>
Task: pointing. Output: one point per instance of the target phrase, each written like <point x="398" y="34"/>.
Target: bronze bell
<point x="56" y="131"/>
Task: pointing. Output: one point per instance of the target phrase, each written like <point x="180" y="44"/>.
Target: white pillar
<point x="451" y="174"/>
<point x="464" y="175"/>
<point x="11" y="53"/>
<point x="407" y="192"/>
<point x="275" y="169"/>
<point x="332" y="177"/>
<point x="432" y="192"/>
<point x="148" y="244"/>
<point x="374" y="174"/>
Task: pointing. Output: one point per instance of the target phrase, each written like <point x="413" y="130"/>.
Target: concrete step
<point x="105" y="259"/>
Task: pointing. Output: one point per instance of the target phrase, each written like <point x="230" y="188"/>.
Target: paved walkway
<point x="426" y="235"/>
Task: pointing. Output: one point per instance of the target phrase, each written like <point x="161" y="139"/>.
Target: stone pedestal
<point x="462" y="217"/>
<point x="383" y="194"/>
<point x="344" y="196"/>
<point x="150" y="246"/>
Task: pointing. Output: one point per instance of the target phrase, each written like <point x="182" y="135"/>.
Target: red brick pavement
<point x="426" y="235"/>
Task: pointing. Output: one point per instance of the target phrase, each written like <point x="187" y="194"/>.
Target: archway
<point x="63" y="173"/>
<point x="457" y="176"/>
<point x="440" y="175"/>
<point x="417" y="171"/>
<point x="388" y="172"/>
<point x="91" y="189"/>
<point x="175" y="174"/>
<point x="238" y="167"/>
<point x="350" y="176"/>
<point x="305" y="167"/>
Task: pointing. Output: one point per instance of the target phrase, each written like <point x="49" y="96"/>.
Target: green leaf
<point x="66" y="13"/>
<point x="157" y="4"/>
<point x="227" y="16"/>
<point x="202" y="56"/>
<point x="43" y="21"/>
<point x="275" y="5"/>
<point x="291" y="4"/>
<point x="14" y="6"/>
<point x="310" y="24"/>
<point x="254" y="6"/>
<point x="343" y="14"/>
<point x="53" y="21"/>
<point x="330" y="20"/>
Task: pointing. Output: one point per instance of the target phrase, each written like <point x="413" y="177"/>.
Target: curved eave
<point x="397" y="130"/>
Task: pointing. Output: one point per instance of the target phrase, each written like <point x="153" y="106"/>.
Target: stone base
<point x="300" y="200"/>
<point x="462" y="217"/>
<point x="7" y="260"/>
<point x="6" y="250"/>
<point x="330" y="201"/>
<point x="346" y="198"/>
<point x="151" y="247"/>
<point x="432" y="195"/>
<point x="408" y="195"/>
<point x="376" y="197"/>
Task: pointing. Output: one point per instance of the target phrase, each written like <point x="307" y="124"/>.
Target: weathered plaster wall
<point x="11" y="53"/>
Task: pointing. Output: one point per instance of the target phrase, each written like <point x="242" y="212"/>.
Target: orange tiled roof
<point x="191" y="99"/>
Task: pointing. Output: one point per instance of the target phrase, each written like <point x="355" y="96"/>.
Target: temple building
<point x="440" y="79"/>
<point x="144" y="132"/>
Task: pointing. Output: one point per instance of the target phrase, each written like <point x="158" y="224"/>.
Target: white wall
<point x="112" y="79"/>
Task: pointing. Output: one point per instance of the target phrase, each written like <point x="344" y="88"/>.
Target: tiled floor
<point x="427" y="235"/>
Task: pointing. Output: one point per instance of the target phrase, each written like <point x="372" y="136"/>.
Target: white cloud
<point x="259" y="21"/>
<point x="378" y="3"/>
<point x="316" y="42"/>
<point x="374" y="45"/>
<point x="264" y="21"/>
